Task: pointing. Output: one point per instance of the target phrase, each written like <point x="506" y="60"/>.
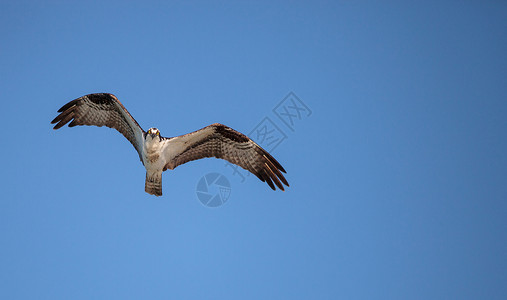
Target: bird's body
<point x="153" y="162"/>
<point x="159" y="153"/>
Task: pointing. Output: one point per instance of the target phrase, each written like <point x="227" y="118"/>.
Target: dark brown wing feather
<point x="101" y="110"/>
<point x="220" y="141"/>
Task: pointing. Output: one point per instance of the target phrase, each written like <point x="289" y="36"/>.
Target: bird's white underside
<point x="157" y="153"/>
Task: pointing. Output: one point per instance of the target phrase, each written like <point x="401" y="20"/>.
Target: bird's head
<point x="153" y="132"/>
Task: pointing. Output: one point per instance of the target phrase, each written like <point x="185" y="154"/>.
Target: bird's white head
<point x="153" y="132"/>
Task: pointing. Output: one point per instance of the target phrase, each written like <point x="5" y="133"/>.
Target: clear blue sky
<point x="398" y="177"/>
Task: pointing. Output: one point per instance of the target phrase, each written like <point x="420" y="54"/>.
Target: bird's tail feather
<point x="153" y="184"/>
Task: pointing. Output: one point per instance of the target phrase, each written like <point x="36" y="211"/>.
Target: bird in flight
<point x="158" y="153"/>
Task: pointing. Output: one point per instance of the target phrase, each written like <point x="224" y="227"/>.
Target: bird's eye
<point x="158" y="132"/>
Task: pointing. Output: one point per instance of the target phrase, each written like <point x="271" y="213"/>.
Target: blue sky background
<point x="398" y="178"/>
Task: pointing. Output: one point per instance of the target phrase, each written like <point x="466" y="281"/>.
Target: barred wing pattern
<point x="223" y="142"/>
<point x="101" y="109"/>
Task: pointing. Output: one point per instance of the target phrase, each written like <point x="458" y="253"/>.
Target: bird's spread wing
<point x="101" y="110"/>
<point x="220" y="141"/>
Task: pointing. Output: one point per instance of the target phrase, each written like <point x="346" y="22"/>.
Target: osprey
<point x="158" y="153"/>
